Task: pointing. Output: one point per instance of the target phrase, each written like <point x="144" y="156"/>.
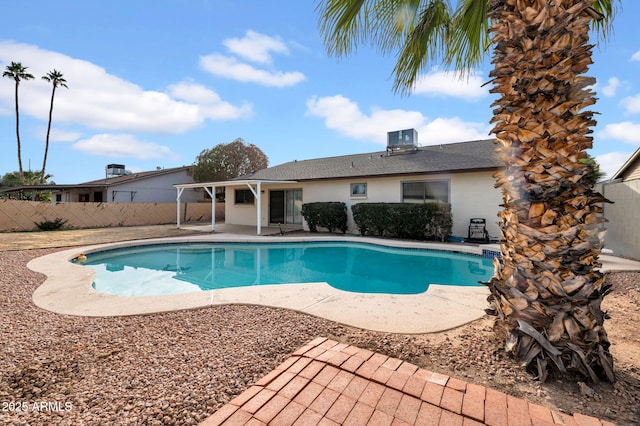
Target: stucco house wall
<point x="157" y="189"/>
<point x="242" y="214"/>
<point x="472" y="195"/>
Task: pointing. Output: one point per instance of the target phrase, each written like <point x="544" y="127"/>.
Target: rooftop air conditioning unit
<point x="116" y="170"/>
<point x="402" y="141"/>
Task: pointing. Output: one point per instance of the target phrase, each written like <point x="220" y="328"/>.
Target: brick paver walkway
<point x="331" y="383"/>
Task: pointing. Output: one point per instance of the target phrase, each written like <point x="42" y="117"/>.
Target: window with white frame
<point x="425" y="191"/>
<point x="358" y="190"/>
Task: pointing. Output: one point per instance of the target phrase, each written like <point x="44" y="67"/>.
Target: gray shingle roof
<point x="453" y="157"/>
<point x="134" y="176"/>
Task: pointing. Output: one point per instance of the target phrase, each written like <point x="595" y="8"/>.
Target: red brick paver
<point x="330" y="383"/>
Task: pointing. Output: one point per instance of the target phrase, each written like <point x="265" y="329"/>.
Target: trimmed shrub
<point x="330" y="215"/>
<point x="429" y="221"/>
<point x="51" y="225"/>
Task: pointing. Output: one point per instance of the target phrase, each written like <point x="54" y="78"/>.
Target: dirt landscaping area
<point x="180" y="367"/>
<point x="85" y="237"/>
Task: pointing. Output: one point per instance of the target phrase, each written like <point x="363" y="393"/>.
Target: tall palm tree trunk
<point x="21" y="171"/>
<point x="46" y="145"/>
<point x="546" y="290"/>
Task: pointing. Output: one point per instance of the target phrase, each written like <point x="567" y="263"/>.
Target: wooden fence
<point x="18" y="215"/>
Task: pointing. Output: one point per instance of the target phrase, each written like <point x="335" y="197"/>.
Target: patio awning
<point x="254" y="185"/>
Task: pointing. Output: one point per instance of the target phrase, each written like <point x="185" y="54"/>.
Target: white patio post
<point x="212" y="194"/>
<point x="179" y="194"/>
<point x="256" y="194"/>
<point x="213" y="209"/>
<point x="259" y="207"/>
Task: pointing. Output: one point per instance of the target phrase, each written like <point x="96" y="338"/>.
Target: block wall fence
<point x="16" y="215"/>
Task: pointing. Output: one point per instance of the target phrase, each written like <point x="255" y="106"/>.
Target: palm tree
<point x="546" y="290"/>
<point x="56" y="79"/>
<point x="17" y="72"/>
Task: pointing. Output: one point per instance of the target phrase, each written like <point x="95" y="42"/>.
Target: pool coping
<point x="68" y="290"/>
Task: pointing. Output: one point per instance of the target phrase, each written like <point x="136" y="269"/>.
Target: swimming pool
<point x="355" y="267"/>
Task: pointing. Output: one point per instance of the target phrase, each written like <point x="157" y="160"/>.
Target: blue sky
<point x="153" y="83"/>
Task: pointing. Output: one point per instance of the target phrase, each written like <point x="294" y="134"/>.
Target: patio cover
<point x="254" y="185"/>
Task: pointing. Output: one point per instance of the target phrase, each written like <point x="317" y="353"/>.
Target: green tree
<point x="12" y="180"/>
<point x="16" y="71"/>
<point x="547" y="289"/>
<point x="56" y="79"/>
<point x="227" y="161"/>
<point x="596" y="173"/>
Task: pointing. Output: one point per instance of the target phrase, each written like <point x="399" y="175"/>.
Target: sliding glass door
<point x="285" y="206"/>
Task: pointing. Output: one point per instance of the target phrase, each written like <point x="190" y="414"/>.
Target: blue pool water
<point x="355" y="267"/>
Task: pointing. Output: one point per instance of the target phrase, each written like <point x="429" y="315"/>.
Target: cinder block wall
<point x="18" y="215"/>
<point x="623" y="228"/>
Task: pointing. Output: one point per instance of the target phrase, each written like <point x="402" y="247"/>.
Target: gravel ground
<point x="180" y="367"/>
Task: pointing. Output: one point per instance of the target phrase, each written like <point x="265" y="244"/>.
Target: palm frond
<point x="470" y="35"/>
<point x="384" y="24"/>
<point x="427" y="43"/>
<point x="343" y="25"/>
<point x="608" y="9"/>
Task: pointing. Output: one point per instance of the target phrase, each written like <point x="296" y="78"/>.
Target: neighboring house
<point x="120" y="186"/>
<point x="623" y="232"/>
<point x="154" y="186"/>
<point x="458" y="173"/>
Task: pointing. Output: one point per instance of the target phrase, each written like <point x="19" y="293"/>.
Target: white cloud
<point x="256" y="47"/>
<point x="209" y="102"/>
<point x="632" y="104"/>
<point x="446" y="84"/>
<point x="636" y="56"/>
<point x="455" y="129"/>
<point x="612" y="87"/>
<point x="193" y="92"/>
<point x="625" y="131"/>
<point x="98" y="100"/>
<point x="344" y="116"/>
<point x="123" y="146"/>
<point x="59" y="135"/>
<point x="229" y="67"/>
<point x="611" y="162"/>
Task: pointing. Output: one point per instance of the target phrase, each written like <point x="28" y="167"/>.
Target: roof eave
<point x="398" y="174"/>
<point x="232" y="183"/>
<point x="634" y="157"/>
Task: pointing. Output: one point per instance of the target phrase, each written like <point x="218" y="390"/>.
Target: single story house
<point x="457" y="173"/>
<point x="122" y="186"/>
<point x="155" y="186"/>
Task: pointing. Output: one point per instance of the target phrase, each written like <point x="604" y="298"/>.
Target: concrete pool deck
<point x="68" y="290"/>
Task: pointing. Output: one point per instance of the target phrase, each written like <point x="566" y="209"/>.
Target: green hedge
<point x="330" y="215"/>
<point x="429" y="221"/>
